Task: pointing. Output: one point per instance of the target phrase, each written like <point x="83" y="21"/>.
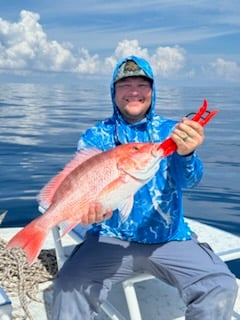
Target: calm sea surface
<point x="41" y="124"/>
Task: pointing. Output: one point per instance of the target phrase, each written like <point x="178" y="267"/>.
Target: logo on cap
<point x="131" y="66"/>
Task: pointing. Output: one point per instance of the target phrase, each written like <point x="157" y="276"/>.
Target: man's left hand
<point x="188" y="135"/>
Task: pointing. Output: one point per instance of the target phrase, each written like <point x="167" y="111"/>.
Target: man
<point x="154" y="238"/>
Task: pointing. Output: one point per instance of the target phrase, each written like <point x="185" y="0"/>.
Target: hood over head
<point x="141" y="131"/>
<point x="129" y="67"/>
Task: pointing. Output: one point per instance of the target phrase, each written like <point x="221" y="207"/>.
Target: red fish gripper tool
<point x="202" y="116"/>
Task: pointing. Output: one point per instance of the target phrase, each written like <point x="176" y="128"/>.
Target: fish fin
<point x="110" y="191"/>
<point x="68" y="227"/>
<point x="125" y="208"/>
<point x="31" y="239"/>
<point x="106" y="194"/>
<point x="46" y="195"/>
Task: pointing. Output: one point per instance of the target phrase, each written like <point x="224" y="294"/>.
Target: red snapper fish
<point x="111" y="178"/>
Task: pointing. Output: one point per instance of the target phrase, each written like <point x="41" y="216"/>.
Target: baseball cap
<point x="130" y="69"/>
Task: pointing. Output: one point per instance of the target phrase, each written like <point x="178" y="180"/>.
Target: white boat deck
<point x="156" y="299"/>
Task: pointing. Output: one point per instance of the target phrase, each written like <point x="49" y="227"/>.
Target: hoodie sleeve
<point x="99" y="136"/>
<point x="87" y="140"/>
<point x="186" y="170"/>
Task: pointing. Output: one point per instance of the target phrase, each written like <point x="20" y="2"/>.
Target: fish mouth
<point x="157" y="151"/>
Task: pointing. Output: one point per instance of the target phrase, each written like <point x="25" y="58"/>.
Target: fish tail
<point x="31" y="239"/>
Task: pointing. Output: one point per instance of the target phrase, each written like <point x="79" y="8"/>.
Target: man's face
<point x="133" y="97"/>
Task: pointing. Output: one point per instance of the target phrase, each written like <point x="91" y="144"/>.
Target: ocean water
<point x="41" y="124"/>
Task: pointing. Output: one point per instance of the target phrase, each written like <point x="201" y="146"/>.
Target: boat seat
<point x="77" y="235"/>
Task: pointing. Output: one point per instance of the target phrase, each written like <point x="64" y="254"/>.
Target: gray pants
<point x="205" y="283"/>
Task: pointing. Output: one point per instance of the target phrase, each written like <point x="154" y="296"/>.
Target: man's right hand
<point x="96" y="214"/>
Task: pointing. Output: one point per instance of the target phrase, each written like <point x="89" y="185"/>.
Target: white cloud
<point x="168" y="60"/>
<point x="25" y="48"/>
<point x="224" y="69"/>
<point x="123" y="49"/>
<point x="87" y="64"/>
<point x="165" y="60"/>
<point x="24" y="45"/>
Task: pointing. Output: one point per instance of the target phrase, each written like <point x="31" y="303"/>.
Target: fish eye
<point x="136" y="147"/>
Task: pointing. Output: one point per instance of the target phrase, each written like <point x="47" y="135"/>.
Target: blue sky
<point x="185" y="41"/>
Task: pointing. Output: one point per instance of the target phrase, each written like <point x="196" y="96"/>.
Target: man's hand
<point x="188" y="135"/>
<point x="96" y="214"/>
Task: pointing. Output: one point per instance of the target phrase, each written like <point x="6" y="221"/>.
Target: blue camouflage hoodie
<point x="157" y="214"/>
